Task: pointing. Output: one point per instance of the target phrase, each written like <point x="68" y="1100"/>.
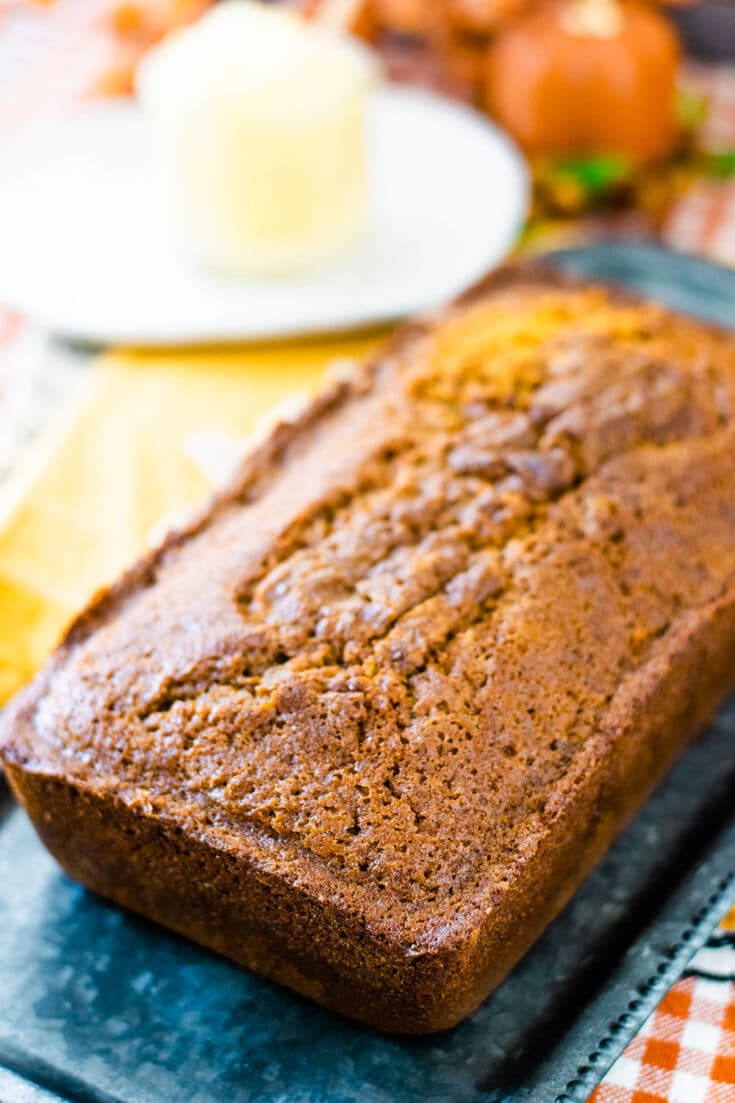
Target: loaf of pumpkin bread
<point x="366" y="725"/>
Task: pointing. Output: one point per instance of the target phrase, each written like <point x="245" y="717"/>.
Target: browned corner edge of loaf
<point x="149" y="864"/>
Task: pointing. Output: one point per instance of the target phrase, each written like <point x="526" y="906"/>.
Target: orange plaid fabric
<point x="703" y="221"/>
<point x="685" y="1053"/>
<point x="37" y="42"/>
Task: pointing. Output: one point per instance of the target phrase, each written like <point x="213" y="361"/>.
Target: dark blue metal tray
<point x="97" y="1006"/>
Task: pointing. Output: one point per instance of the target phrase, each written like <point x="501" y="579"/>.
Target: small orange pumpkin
<point x="587" y="76"/>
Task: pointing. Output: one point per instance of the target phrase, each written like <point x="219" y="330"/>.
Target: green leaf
<point x="721" y="165"/>
<point x="596" y="175"/>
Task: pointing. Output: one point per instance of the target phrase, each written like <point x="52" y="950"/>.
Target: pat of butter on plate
<point x="256" y="120"/>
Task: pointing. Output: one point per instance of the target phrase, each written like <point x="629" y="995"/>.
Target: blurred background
<point x="636" y="169"/>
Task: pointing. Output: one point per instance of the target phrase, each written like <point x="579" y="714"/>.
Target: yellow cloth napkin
<point x="139" y="445"/>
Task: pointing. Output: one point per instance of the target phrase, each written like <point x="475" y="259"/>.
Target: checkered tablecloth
<point x="48" y="55"/>
<point x="685" y="1053"/>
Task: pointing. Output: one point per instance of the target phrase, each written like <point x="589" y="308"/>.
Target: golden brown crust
<point x="369" y="722"/>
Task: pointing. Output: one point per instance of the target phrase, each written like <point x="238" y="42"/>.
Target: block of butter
<point x="257" y="126"/>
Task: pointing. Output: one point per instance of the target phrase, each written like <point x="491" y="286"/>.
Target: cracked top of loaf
<point x="383" y="656"/>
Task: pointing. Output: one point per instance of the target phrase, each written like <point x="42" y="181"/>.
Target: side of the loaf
<point x="220" y="897"/>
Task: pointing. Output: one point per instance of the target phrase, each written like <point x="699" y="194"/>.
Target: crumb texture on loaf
<point x="390" y="660"/>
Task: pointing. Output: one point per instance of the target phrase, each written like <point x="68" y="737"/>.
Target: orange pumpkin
<point x="587" y="76"/>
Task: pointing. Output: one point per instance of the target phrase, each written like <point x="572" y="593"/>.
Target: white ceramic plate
<point x="84" y="249"/>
